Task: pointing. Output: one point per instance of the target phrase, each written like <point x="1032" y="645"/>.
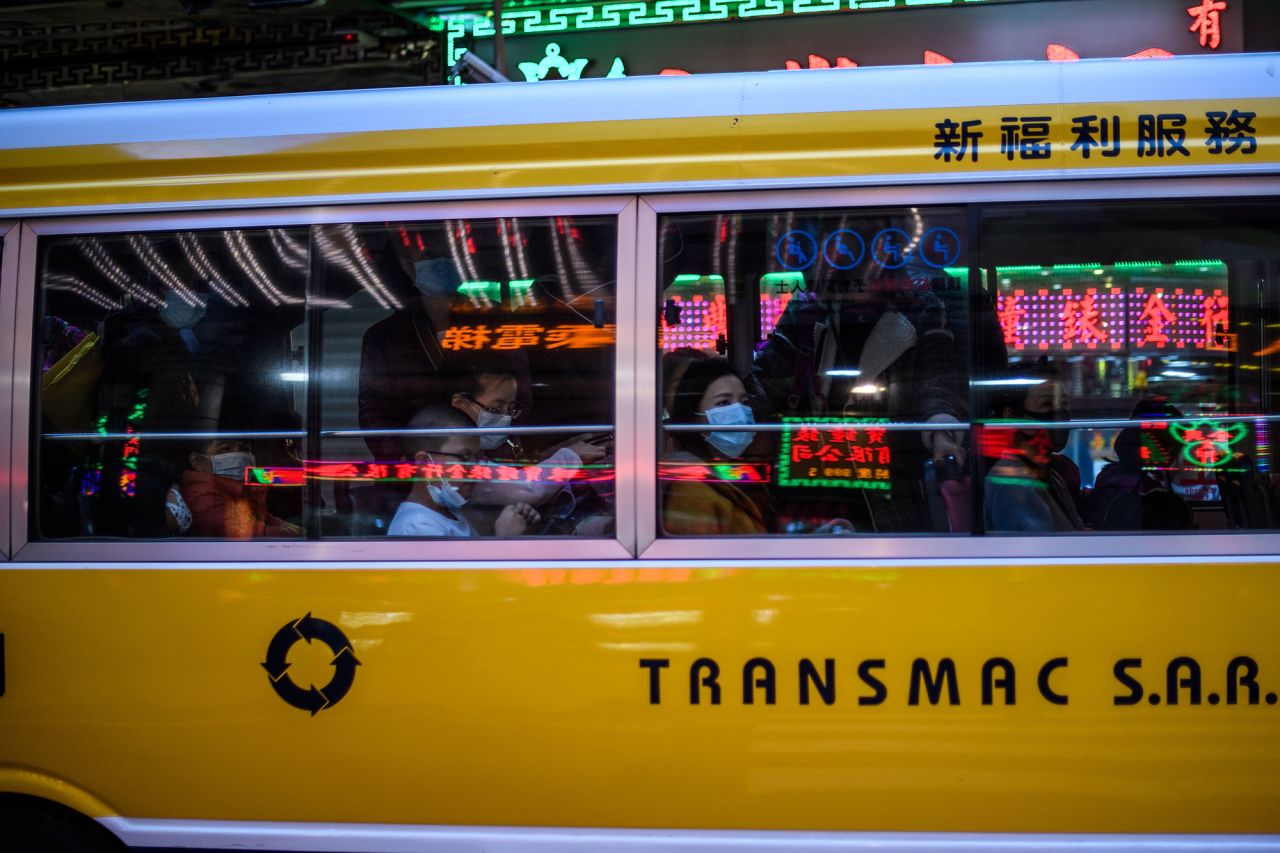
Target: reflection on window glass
<point x="468" y="378"/>
<point x="814" y="375"/>
<point x="169" y="368"/>
<point x="1141" y="339"/>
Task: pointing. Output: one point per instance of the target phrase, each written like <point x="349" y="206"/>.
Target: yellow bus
<point x="833" y="460"/>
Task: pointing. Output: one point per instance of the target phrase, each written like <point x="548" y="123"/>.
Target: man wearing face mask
<point x="1029" y="489"/>
<point x="402" y="362"/>
<point x="711" y="392"/>
<point x="218" y="501"/>
<point x="434" y="507"/>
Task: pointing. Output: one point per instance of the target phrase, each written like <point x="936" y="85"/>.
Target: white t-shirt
<point x="414" y="519"/>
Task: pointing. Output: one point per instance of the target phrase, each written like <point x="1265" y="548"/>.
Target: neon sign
<point x="1207" y="444"/>
<point x="1207" y="22"/>
<point x="735" y="472"/>
<point x="700" y="320"/>
<point x="521" y="335"/>
<point x="408" y="472"/>
<point x="1114" y="317"/>
<point x="641" y="13"/>
<point x="851" y="453"/>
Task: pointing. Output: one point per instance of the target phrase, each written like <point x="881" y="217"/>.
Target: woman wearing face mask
<point x="487" y="393"/>
<point x="710" y="392"/>
<point x="217" y="500"/>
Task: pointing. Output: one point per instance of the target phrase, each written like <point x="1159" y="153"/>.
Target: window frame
<point x="964" y="549"/>
<point x="339" y="552"/>
<point x="10" y="235"/>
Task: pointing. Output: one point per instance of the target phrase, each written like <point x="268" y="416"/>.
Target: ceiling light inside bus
<point x="1015" y="380"/>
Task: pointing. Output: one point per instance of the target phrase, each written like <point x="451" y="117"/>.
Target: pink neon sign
<point x="1113" y="318"/>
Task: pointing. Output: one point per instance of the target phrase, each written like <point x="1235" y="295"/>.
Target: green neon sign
<point x="578" y="17"/>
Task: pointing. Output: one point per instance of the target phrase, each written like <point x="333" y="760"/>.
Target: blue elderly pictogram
<point x="890" y="247"/>
<point x="940" y="247"/>
<point x="843" y="249"/>
<point x="796" y="250"/>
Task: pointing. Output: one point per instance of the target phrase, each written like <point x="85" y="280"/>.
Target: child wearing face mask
<point x="487" y="393"/>
<point x="711" y="392"/>
<point x="435" y="508"/>
<point x="217" y="503"/>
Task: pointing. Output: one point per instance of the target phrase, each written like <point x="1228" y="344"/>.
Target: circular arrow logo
<point x="344" y="664"/>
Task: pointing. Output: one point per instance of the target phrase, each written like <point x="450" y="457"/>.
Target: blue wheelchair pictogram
<point x="796" y="250"/>
<point x="844" y="249"/>
<point x="889" y="248"/>
<point x="940" y="247"/>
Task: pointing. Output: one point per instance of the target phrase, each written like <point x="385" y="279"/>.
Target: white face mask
<point x="488" y="419"/>
<point x="231" y="465"/>
<point x="731" y="444"/>
<point x="446" y="495"/>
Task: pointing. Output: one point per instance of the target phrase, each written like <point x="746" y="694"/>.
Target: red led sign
<point x="1112" y="318"/>
<point x="737" y="472"/>
<point x="405" y="472"/>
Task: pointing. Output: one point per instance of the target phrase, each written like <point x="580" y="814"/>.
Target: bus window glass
<point x="468" y="378"/>
<point x="1141" y="342"/>
<point x="168" y="370"/>
<point x="813" y="372"/>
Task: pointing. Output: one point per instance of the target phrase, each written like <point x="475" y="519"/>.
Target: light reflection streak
<point x="156" y="265"/>
<point x="204" y="267"/>
<point x="644" y="620"/>
<point x="504" y="237"/>
<point x="647" y="647"/>
<point x="340" y="247"/>
<point x="357" y="619"/>
<point x="81" y="288"/>
<point x="458" y="248"/>
<point x="584" y="276"/>
<point x="102" y="260"/>
<point x="520" y="256"/>
<point x="248" y="262"/>
<point x="290" y="251"/>
<point x="562" y="272"/>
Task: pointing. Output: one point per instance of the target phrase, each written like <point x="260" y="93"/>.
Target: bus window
<point x="1141" y="340"/>
<point x="468" y="368"/>
<point x="813" y="372"/>
<point x="167" y="371"/>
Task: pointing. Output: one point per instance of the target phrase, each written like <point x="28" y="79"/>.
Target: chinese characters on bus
<point x="1161" y="136"/>
<point x="1113" y="318"/>
<point x="851" y="453"/>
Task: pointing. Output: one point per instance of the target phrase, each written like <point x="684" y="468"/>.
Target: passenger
<point x="486" y="391"/>
<point x="1026" y="489"/>
<point x="674" y="364"/>
<point x="434" y="508"/>
<point x="217" y="500"/>
<point x="1128" y="496"/>
<point x="401" y="357"/>
<point x="885" y="343"/>
<point x="710" y="392"/>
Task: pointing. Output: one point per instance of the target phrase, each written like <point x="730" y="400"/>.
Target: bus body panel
<point x="645" y="134"/>
<point x="689" y="697"/>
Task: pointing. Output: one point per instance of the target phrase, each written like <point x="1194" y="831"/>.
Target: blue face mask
<point x="731" y="444"/>
<point x="177" y="313"/>
<point x="437" y="277"/>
